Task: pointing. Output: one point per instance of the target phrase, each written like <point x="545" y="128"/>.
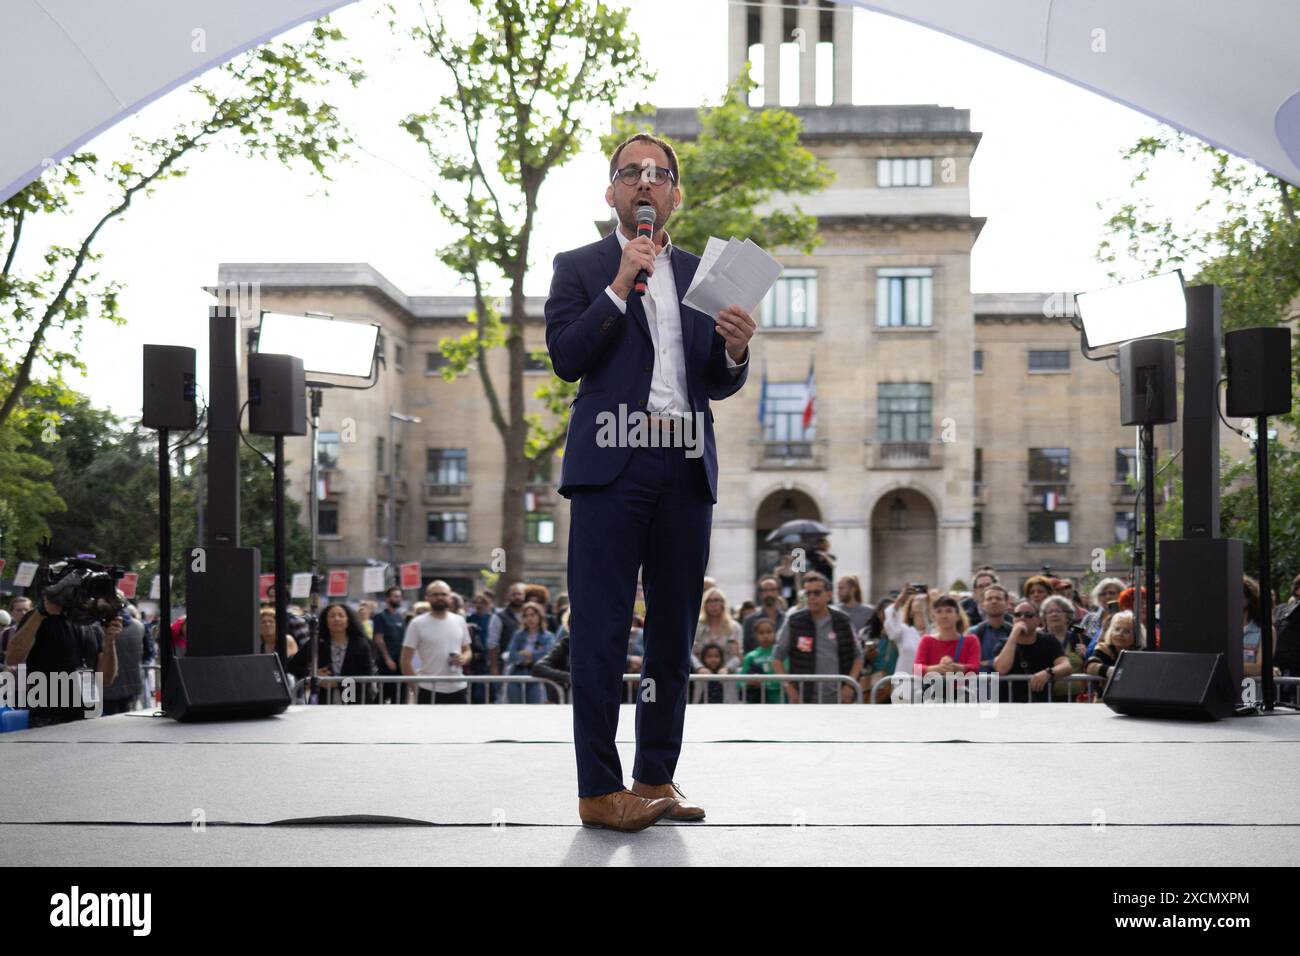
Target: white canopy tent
<point x="1228" y="73"/>
<point x="70" y="69"/>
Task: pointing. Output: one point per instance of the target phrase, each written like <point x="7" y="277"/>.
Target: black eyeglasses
<point x="814" y="593"/>
<point x="1025" y="614"/>
<point x="631" y="175"/>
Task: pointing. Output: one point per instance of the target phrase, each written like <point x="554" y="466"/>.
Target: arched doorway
<point x="775" y="510"/>
<point x="904" y="542"/>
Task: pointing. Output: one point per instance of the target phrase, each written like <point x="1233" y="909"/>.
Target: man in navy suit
<point x="640" y="470"/>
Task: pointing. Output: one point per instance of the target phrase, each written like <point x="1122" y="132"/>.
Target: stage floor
<point x="1016" y="784"/>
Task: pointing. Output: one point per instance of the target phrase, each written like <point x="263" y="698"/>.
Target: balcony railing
<point x="435" y="491"/>
<point x="810" y="453"/>
<point x="904" y="454"/>
<point x="1036" y="490"/>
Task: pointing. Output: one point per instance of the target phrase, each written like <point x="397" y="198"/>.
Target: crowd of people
<point x="1049" y="639"/>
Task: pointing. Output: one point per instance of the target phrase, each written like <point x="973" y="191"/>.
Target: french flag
<point x="810" y="404"/>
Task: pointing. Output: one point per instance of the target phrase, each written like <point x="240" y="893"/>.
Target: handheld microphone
<point x="645" y="226"/>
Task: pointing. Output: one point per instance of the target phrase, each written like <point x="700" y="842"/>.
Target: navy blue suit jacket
<point x="613" y="354"/>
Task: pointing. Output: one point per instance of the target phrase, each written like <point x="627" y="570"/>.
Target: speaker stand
<point x="1149" y="532"/>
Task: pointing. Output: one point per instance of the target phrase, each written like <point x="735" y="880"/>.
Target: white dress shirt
<point x="668" y="395"/>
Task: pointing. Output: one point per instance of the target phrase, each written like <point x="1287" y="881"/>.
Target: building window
<point x="903" y="411"/>
<point x="1049" y="466"/>
<point x="792" y="302"/>
<point x="397" y="458"/>
<point x="539" y="527"/>
<point x="381" y="522"/>
<point x="905" y="171"/>
<point x="327" y="519"/>
<point x="381" y="462"/>
<point x="904" y="298"/>
<point x="447" y="527"/>
<point x="327" y="449"/>
<point x="434" y="363"/>
<point x="979" y="470"/>
<point x="446" y="466"/>
<point x="1125" y="526"/>
<point x="399" y="522"/>
<point x="1125" y="464"/>
<point x="1049" y="527"/>
<point x="979" y="360"/>
<point x="977" y="529"/>
<point x="1056" y="360"/>
<point x="399" y="356"/>
<point x="784" y="404"/>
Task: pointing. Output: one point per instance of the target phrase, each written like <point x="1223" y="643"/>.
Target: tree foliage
<point x="262" y="104"/>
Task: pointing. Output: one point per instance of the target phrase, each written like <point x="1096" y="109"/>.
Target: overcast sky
<point x="1050" y="152"/>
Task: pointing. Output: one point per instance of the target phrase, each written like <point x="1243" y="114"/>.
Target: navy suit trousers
<point x="654" y="516"/>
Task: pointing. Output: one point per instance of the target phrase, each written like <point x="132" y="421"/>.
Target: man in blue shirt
<point x="994" y="630"/>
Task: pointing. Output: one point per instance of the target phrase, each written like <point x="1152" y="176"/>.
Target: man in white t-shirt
<point x="441" y="641"/>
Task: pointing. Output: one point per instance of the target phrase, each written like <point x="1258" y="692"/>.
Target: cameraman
<point x="52" y="645"/>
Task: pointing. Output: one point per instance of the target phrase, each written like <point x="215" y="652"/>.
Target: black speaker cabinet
<point x="169" y="388"/>
<point x="1259" y="372"/>
<point x="226" y="688"/>
<point x="221" y="600"/>
<point x="1171" y="685"/>
<point x="277" y="395"/>
<point x="1148" y="380"/>
<point x="1201" y="599"/>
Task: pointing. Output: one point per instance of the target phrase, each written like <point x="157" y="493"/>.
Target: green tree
<point x="103" y="470"/>
<point x="1243" y="234"/>
<point x="520" y="82"/>
<point x="263" y="108"/>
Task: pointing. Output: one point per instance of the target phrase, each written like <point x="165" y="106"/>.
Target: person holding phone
<point x="905" y="621"/>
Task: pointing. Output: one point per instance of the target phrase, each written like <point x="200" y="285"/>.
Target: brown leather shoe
<point x="682" y="810"/>
<point x="622" y="810"/>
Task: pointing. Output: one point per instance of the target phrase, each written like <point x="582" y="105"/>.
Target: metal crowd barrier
<point x="331" y="687"/>
<point x="914" y="687"/>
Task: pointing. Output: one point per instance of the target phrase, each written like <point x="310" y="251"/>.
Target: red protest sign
<point x="126" y="585"/>
<point x="410" y="575"/>
<point x="337" y="585"/>
<point x="264" y="582"/>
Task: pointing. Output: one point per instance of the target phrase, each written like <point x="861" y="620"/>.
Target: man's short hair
<point x="647" y="138"/>
<point x="1006" y="595"/>
<point x="816" y="576"/>
<point x="391" y="589"/>
<point x="985" y="571"/>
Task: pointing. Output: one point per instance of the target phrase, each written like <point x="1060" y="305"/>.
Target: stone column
<point x="773" y="15"/>
<point x="842" y="27"/>
<point x="809" y="31"/>
<point x="737" y="39"/>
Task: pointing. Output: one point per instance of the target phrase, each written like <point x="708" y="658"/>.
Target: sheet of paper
<point x="712" y="249"/>
<point x="741" y="274"/>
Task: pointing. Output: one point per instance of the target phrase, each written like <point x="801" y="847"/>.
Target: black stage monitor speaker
<point x="277" y="395"/>
<point x="1172" y="685"/>
<point x="1148" y="380"/>
<point x="169" y="388"/>
<point x="1259" y="372"/>
<point x="225" y="688"/>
